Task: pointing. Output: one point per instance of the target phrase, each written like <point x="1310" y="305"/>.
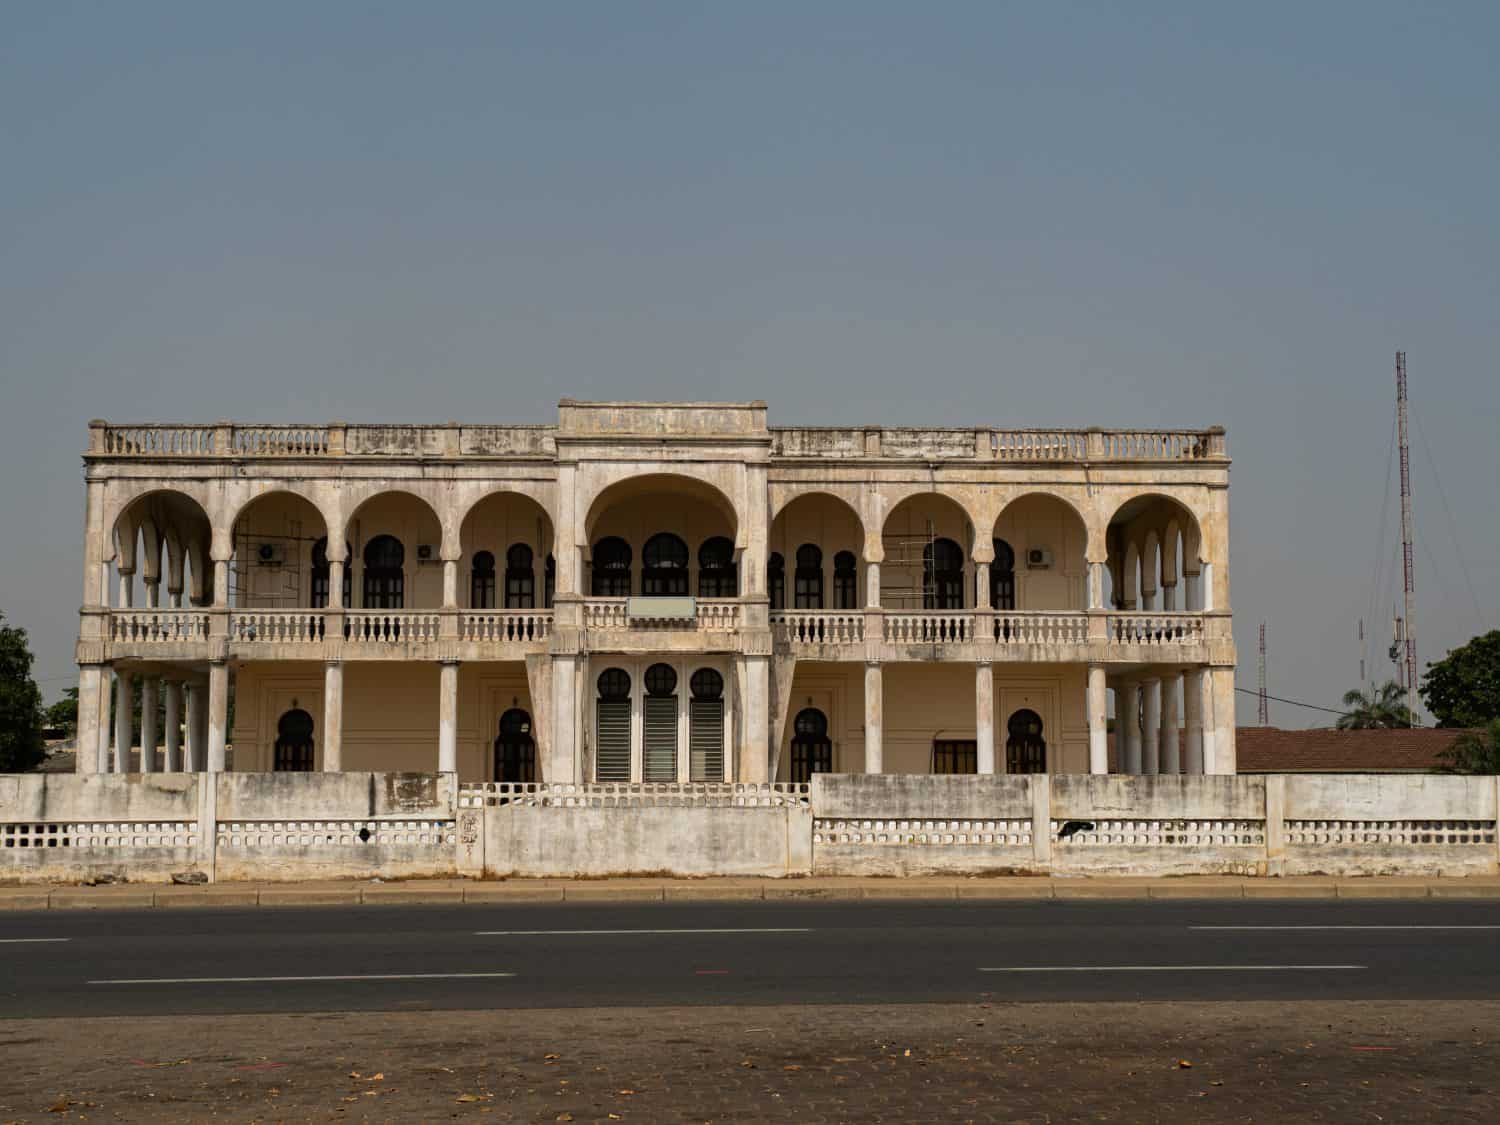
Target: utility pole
<point x="1263" y="713"/>
<point x="1409" y="629"/>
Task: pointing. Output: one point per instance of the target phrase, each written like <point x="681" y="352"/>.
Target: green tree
<point x="21" y="744"/>
<point x="1474" y="751"/>
<point x="1463" y="688"/>
<point x="63" y="715"/>
<point x="1382" y="707"/>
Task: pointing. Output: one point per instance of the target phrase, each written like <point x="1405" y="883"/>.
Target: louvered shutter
<point x="706" y="739"/>
<point x="613" y="751"/>
<point x="661" y="738"/>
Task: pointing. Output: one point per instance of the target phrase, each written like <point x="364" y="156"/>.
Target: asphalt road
<point x="393" y="958"/>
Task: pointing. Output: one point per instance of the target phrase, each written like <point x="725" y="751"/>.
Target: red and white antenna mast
<point x="1263" y="713"/>
<point x="1409" y="625"/>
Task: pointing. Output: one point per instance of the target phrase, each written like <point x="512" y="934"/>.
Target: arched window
<point x="321" y="572"/>
<point x="612" y="726"/>
<point x="808" y="590"/>
<point x="845" y="581"/>
<point x="385" y="582"/>
<point x="294" y="742"/>
<point x="515" y="748"/>
<point x="520" y="581"/>
<point x="706" y="726"/>
<point x="549" y="588"/>
<point x="812" y="750"/>
<point x="1025" y="748"/>
<point x="718" y="577"/>
<point x="942" y="575"/>
<point x="776" y="580"/>
<point x="659" y="724"/>
<point x="482" y="581"/>
<point x="611" y="568"/>
<point x="1003" y="577"/>
<point x="664" y="566"/>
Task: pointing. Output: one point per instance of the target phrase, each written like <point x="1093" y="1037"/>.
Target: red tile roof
<point x="1273" y="750"/>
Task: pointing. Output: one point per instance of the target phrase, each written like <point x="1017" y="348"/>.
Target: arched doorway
<point x="1025" y="748"/>
<point x="515" y="748"/>
<point x="812" y="749"/>
<point x="294" y="742"/>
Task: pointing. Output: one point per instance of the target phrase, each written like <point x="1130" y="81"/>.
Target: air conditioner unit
<point x="270" y="554"/>
<point x="1038" y="558"/>
<point x="425" y="552"/>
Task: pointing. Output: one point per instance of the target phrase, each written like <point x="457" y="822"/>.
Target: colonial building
<point x="657" y="592"/>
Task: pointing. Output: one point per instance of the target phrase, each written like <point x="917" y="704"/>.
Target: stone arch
<point x="1049" y="538"/>
<point x="918" y="520"/>
<point x="832" y="524"/>
<point x="495" y="523"/>
<point x="153" y="517"/>
<point x="884" y="500"/>
<point x="679" y="484"/>
<point x="411" y="518"/>
<point x="272" y="537"/>
<point x="1150" y="524"/>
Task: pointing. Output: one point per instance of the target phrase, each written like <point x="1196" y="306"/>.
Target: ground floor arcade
<point x="664" y="718"/>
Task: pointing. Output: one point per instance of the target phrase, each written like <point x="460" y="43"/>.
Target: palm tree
<point x="1383" y="707"/>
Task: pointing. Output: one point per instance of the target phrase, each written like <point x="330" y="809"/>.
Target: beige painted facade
<point x="657" y="592"/>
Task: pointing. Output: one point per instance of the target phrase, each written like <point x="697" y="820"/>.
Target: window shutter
<point x="706" y="739"/>
<point x="614" y="740"/>
<point x="661" y="738"/>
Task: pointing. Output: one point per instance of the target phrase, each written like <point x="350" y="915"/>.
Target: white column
<point x="1098" y="716"/>
<point x="333" y="716"/>
<point x="149" y="692"/>
<point x="1129" y="721"/>
<point x="336" y="584"/>
<point x="221" y="583"/>
<point x="1151" y="727"/>
<point x="1207" y="602"/>
<point x="1169" y="597"/>
<point x="874" y="711"/>
<point x="1192" y="592"/>
<point x="1096" y="585"/>
<point x="173" y="721"/>
<point x="1171" y="744"/>
<point x="124" y="720"/>
<point x="198" y="727"/>
<point x="1192" y="708"/>
<point x="153" y="593"/>
<point x="450" y="584"/>
<point x="127" y="587"/>
<point x="448" y="717"/>
<point x="105" y="728"/>
<point x="984" y="716"/>
<point x="218" y="713"/>
<point x="86" y="760"/>
<point x="756" y="764"/>
<point x="982" y="586"/>
<point x="1223" y="695"/>
<point x="872" y="585"/>
<point x="1148" y="600"/>
<point x="565" y="764"/>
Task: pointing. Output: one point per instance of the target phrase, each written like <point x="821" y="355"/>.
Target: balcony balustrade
<point x="929" y="627"/>
<point x="507" y="626"/>
<point x="1040" y="628"/>
<point x="298" y="626"/>
<point x="157" y="626"/>
<point x="1155" y="629"/>
<point x="818" y="627"/>
<point x="391" y="626"/>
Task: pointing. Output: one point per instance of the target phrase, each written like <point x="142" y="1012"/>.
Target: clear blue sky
<point x="1062" y="213"/>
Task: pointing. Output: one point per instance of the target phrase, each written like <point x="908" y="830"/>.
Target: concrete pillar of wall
<point x="197" y="728"/>
<point x="1192" y="717"/>
<point x="984" y="716"/>
<point x="874" y="715"/>
<point x="1223" y="693"/>
<point x="565" y="764"/>
<point x="1151" y="727"/>
<point x="150" y="689"/>
<point x="172" y="720"/>
<point x="1098" y="716"/>
<point x="755" y="763"/>
<point x="448" y="717"/>
<point x="218" y="712"/>
<point x="1129" y="721"/>
<point x="86" y="760"/>
<point x="333" y="716"/>
<point x="124" y="720"/>
<point x="105" y="728"/>
<point x="1171" y="745"/>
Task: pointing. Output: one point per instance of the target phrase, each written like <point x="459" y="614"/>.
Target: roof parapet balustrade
<point x="711" y="615"/>
<point x="338" y="440"/>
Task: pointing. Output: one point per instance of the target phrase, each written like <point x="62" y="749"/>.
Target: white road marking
<point x="563" y="933"/>
<point x="283" y="980"/>
<point x="23" y="940"/>
<point x="1164" y="968"/>
<point x="1356" y="927"/>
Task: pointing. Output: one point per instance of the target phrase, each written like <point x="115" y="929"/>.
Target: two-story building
<point x="657" y="592"/>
